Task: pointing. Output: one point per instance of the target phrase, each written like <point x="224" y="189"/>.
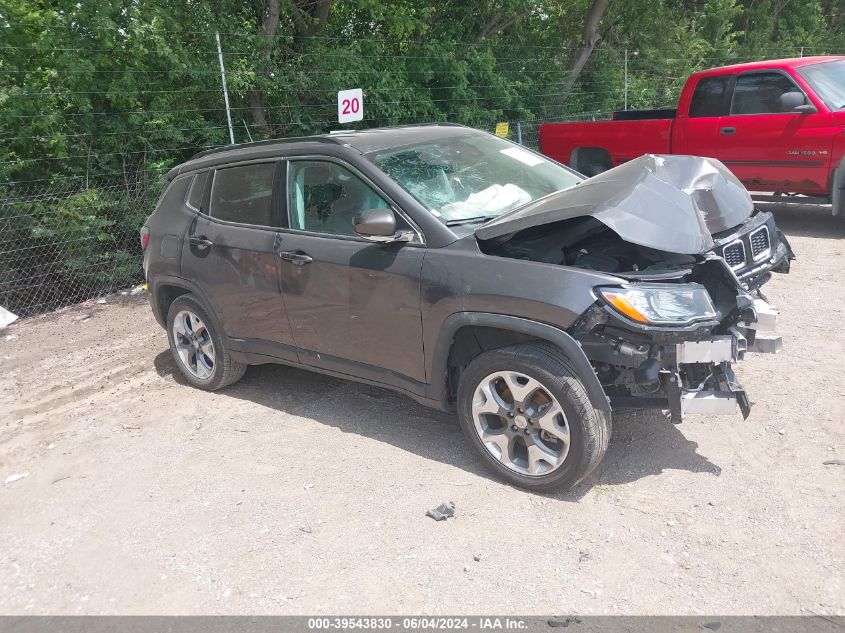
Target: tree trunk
<point x="268" y="24"/>
<point x="589" y="39"/>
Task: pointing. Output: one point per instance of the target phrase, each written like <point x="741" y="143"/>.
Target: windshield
<point x="828" y="81"/>
<point x="472" y="177"/>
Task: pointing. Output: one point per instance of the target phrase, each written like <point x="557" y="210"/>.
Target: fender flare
<point x="179" y="282"/>
<point x="568" y="345"/>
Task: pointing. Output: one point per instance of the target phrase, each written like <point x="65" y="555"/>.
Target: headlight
<point x="661" y="304"/>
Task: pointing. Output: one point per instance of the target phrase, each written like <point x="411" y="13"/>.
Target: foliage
<point x="115" y="92"/>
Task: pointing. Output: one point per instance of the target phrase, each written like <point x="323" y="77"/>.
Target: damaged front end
<point x="691" y="254"/>
<point x="683" y="368"/>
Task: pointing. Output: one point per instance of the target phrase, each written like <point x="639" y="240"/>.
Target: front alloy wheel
<point x="520" y="423"/>
<point x="527" y="412"/>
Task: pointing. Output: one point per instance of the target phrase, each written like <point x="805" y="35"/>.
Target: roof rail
<point x="272" y="141"/>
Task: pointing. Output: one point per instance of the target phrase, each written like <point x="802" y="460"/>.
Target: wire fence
<point x="70" y="237"/>
<point x="67" y="242"/>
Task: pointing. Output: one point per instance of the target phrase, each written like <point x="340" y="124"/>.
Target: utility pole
<point x="626" y="78"/>
<point x="225" y="89"/>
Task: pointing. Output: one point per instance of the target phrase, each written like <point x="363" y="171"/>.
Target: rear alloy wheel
<point x="527" y="412"/>
<point x="193" y="344"/>
<point x="198" y="349"/>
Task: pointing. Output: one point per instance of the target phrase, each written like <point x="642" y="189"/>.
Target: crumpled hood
<point x="669" y="203"/>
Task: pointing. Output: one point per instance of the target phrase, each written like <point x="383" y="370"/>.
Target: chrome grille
<point x="734" y="254"/>
<point x="759" y="243"/>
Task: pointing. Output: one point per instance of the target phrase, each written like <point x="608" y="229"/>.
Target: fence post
<point x="225" y="89"/>
<point x="626" y="78"/>
<point x="519" y="132"/>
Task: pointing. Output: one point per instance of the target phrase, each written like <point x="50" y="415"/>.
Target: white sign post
<point x="350" y="105"/>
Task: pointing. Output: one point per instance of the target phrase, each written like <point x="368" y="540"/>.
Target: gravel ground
<point x="291" y="492"/>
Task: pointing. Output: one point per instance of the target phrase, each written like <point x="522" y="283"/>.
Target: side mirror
<point x="795" y="102"/>
<point x="378" y="225"/>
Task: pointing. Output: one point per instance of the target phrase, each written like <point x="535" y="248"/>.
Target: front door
<point x="354" y="305"/>
<point x="230" y="254"/>
<point x="769" y="149"/>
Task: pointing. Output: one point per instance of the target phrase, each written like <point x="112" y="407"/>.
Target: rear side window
<point x="197" y="189"/>
<point x="759" y="93"/>
<point x="174" y="195"/>
<point x="708" y="97"/>
<point x="244" y="194"/>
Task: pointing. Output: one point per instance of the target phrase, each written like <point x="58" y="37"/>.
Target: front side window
<point x="325" y="197"/>
<point x="244" y="194"/>
<point x="828" y="81"/>
<point x="708" y="96"/>
<point x="472" y="177"/>
<point x="759" y="93"/>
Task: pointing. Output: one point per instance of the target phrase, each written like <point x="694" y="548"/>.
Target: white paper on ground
<point x="6" y="317"/>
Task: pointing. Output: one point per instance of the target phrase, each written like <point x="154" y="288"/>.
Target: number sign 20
<point x="350" y="105"/>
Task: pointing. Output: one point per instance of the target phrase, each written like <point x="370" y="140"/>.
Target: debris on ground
<point x="583" y="555"/>
<point x="442" y="512"/>
<point x="138" y="289"/>
<point x="100" y="301"/>
<point x="15" y="477"/>
<point x="126" y="427"/>
<point x="82" y="317"/>
<point x="11" y="337"/>
<point x="6" y="317"/>
<point x="834" y="462"/>
<point x="562" y="622"/>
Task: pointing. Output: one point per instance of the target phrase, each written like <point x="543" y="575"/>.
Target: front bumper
<point x="696" y="377"/>
<point x="720" y="393"/>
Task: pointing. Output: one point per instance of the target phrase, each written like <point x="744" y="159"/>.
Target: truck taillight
<point x="145" y="238"/>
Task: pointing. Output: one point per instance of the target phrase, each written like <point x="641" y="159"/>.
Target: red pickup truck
<point x="778" y="125"/>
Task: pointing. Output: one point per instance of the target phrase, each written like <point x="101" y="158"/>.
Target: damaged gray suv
<point x="472" y="275"/>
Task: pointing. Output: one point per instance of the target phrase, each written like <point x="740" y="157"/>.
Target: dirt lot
<point x="291" y="492"/>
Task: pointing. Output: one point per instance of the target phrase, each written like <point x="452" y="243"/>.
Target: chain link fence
<point x="62" y="243"/>
<point x="68" y="241"/>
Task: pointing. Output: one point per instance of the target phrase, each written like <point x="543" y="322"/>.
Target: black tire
<point x="837" y="193"/>
<point x="226" y="370"/>
<point x="593" y="169"/>
<point x="589" y="427"/>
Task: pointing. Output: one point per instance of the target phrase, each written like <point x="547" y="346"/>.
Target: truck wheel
<point x="593" y="169"/>
<point x="198" y="349"/>
<point x="526" y="411"/>
<point x="837" y="193"/>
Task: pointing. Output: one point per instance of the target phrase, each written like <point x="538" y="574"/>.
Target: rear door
<point x="769" y="149"/>
<point x="354" y="305"/>
<point x="230" y="254"/>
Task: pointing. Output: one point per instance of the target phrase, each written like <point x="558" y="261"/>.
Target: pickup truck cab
<point x="778" y="125"/>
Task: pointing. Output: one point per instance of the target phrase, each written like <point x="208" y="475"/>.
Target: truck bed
<point x="629" y="139"/>
<point x="642" y="115"/>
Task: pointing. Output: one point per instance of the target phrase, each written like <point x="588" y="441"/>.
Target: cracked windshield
<point x="472" y="178"/>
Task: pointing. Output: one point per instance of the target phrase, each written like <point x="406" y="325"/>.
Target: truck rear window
<point x="709" y="96"/>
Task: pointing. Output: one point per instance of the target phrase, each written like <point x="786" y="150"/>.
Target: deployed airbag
<point x="669" y="203"/>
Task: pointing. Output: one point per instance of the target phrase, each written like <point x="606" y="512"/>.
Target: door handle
<point x="728" y="130"/>
<point x="297" y="258"/>
<point x="201" y="242"/>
